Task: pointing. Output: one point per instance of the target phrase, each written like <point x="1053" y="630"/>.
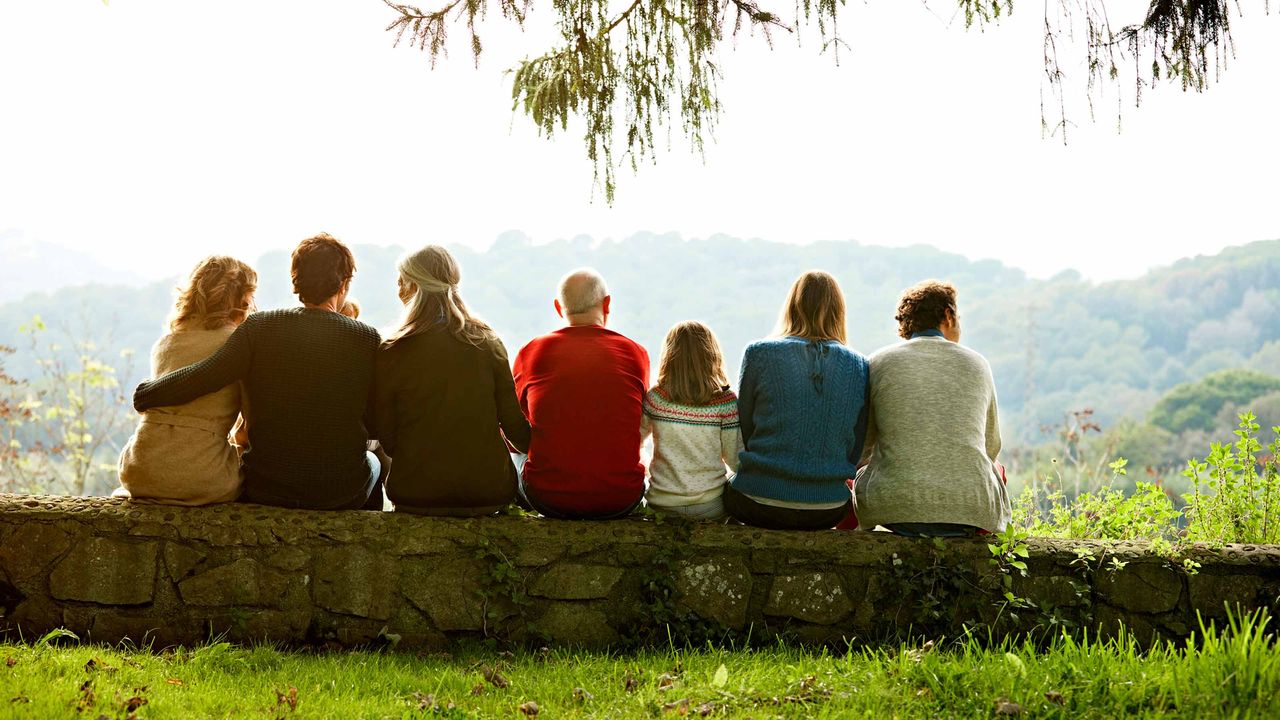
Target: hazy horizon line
<point x="141" y="275"/>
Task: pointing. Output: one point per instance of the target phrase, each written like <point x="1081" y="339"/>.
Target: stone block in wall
<point x="624" y="554"/>
<point x="356" y="581"/>
<point x="28" y="551"/>
<point x="220" y="535"/>
<point x="716" y="589"/>
<point x="107" y="571"/>
<point x="112" y="626"/>
<point x="764" y="562"/>
<point x="1055" y="591"/>
<point x="447" y="591"/>
<point x="815" y="597"/>
<point x="242" y="583"/>
<point x="1141" y="587"/>
<point x="253" y="624"/>
<point x="536" y="554"/>
<point x="1110" y="620"/>
<point x="414" y="629"/>
<point x="180" y="560"/>
<point x="576" y="623"/>
<point x="78" y="619"/>
<point x="289" y="559"/>
<point x="1212" y="594"/>
<point x="572" y="581"/>
<point x="153" y="529"/>
<point x="422" y="544"/>
<point x="810" y="634"/>
<point x="33" y="616"/>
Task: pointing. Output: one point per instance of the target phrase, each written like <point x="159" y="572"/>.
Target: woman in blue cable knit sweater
<point x="802" y="401"/>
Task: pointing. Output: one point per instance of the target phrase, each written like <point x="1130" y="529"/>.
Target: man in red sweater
<point x="581" y="388"/>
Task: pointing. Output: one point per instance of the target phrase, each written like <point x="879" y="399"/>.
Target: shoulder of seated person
<point x="846" y="350"/>
<point x="265" y="316"/>
<point x="764" y="344"/>
<point x="359" y="327"/>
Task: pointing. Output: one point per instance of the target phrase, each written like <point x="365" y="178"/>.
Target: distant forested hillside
<point x="1055" y="346"/>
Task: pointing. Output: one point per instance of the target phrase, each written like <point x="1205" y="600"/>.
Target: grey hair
<point x="435" y="275"/>
<point x="582" y="291"/>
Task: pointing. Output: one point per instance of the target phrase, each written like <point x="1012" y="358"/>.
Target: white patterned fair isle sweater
<point x="695" y="448"/>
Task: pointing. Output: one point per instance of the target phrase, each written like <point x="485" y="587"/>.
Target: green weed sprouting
<point x="1104" y="514"/>
<point x="1235" y="490"/>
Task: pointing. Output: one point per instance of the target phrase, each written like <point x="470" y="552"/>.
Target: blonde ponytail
<point x="434" y="274"/>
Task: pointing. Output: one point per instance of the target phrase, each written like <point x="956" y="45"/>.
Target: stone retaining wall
<point x="108" y="570"/>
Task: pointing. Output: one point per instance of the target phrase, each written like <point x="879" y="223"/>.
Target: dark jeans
<point x="370" y="499"/>
<point x="749" y="512"/>
<point x="932" y="530"/>
<point x="529" y="501"/>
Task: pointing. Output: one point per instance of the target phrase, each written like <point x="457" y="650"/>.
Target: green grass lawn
<point x="1232" y="674"/>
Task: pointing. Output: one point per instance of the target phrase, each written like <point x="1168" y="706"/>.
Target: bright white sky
<point x="154" y="132"/>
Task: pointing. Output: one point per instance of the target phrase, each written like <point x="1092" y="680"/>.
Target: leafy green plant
<point x="1009" y="555"/>
<point x="503" y="588"/>
<point x="1103" y="514"/>
<point x="1236" y="490"/>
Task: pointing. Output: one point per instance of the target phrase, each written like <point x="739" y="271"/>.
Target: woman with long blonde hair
<point x="446" y="407"/>
<point x="181" y="455"/>
<point x="693" y="417"/>
<point x="802" y="401"/>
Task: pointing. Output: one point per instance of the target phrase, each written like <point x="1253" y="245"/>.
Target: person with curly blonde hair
<point x="308" y="373"/>
<point x="180" y="455"/>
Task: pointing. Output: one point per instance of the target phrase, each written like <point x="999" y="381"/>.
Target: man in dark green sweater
<point x="307" y="373"/>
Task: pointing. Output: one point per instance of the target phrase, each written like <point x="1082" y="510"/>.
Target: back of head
<point x="582" y="291"/>
<point x="215" y="295"/>
<point x="433" y="275"/>
<point x="321" y="265"/>
<point x="924" y="306"/>
<point x="691" y="371"/>
<point x="814" y="309"/>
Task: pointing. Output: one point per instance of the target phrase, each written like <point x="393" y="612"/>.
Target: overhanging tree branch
<point x="654" y="60"/>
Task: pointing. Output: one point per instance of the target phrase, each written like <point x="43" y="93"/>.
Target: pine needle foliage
<point x="629" y="67"/>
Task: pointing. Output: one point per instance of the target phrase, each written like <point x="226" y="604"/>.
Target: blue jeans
<point x="374" y="498"/>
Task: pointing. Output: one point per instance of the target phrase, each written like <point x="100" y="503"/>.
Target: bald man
<point x="581" y="388"/>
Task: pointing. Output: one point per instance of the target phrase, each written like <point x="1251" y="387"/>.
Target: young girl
<point x="693" y="417"/>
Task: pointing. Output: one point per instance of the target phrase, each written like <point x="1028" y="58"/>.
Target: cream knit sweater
<point x="180" y="455"/>
<point x="694" y="448"/>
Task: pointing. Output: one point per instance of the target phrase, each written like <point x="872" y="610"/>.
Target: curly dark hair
<point x="321" y="264"/>
<point x="924" y="306"/>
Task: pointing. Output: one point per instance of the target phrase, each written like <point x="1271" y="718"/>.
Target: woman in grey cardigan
<point x="934" y="432"/>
